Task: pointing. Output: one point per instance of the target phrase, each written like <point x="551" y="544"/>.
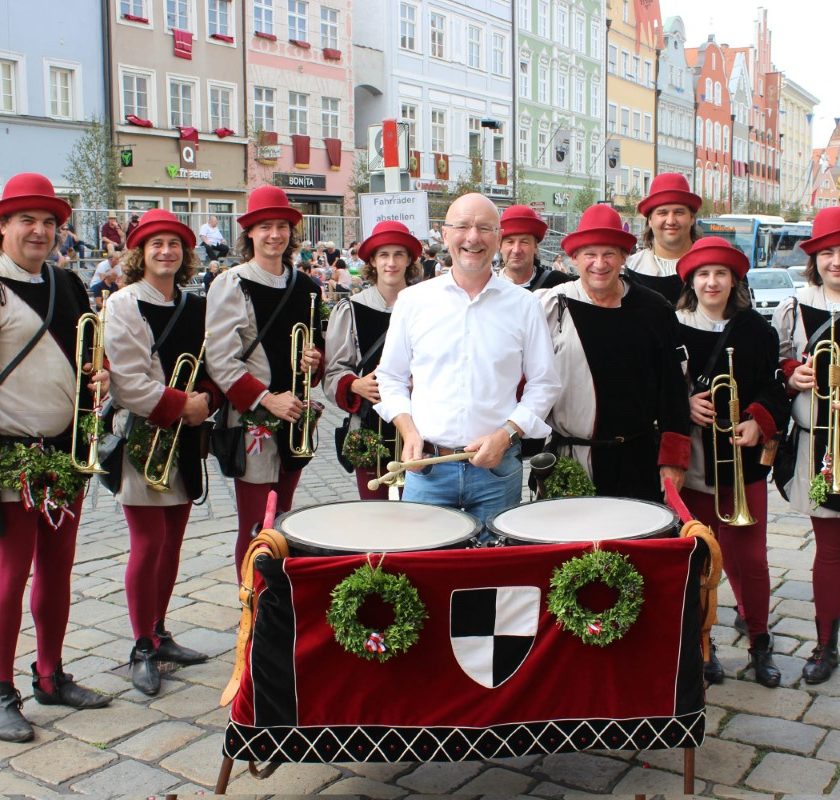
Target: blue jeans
<point x="478" y="491"/>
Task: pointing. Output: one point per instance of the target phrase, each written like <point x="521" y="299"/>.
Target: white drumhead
<point x="583" y="519"/>
<point x="376" y="526"/>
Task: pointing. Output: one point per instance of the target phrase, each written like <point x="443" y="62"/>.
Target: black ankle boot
<point x="145" y="674"/>
<point x="66" y="692"/>
<point x="713" y="669"/>
<point x="761" y="660"/>
<point x="823" y="660"/>
<point x="169" y="650"/>
<point x="13" y="725"/>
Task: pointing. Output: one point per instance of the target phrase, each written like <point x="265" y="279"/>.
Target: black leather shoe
<point x="145" y="674"/>
<point x="740" y="625"/>
<point x="713" y="669"/>
<point x="13" y="725"/>
<point x="66" y="692"/>
<point x="169" y="650"/>
<point x="823" y="660"/>
<point x="761" y="660"/>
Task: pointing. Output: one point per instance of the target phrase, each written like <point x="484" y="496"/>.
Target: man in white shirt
<point x="211" y="237"/>
<point x="110" y="264"/>
<point x="456" y="350"/>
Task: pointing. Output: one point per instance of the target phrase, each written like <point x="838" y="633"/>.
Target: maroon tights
<point x="28" y="536"/>
<point x="744" y="550"/>
<point x="826" y="574"/>
<point x="155" y="534"/>
<point x="250" y="505"/>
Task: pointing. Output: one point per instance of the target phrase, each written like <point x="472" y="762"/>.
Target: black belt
<point x="560" y="440"/>
<point x="437" y="450"/>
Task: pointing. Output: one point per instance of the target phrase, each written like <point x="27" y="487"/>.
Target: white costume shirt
<point x="646" y="262"/>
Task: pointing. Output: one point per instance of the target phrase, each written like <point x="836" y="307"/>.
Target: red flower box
<point x="332" y="54"/>
<point x="222" y="37"/>
<point x="299" y="43"/>
<point x="263" y="35"/>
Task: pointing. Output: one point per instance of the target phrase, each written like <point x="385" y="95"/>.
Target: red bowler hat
<point x="825" y="231"/>
<point x="517" y="220"/>
<point x="600" y="225"/>
<point x="29" y="191"/>
<point x="158" y="220"/>
<point x="268" y="202"/>
<point x="669" y="188"/>
<point x="713" y="251"/>
<point x="394" y="233"/>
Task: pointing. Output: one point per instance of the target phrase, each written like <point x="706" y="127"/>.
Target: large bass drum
<point x="375" y="526"/>
<point x="583" y="519"/>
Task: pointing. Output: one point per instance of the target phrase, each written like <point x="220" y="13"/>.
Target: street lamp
<point x="486" y="124"/>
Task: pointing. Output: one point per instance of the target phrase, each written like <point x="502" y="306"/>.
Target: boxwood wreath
<point x="611" y="624"/>
<point x="363" y="447"/>
<point x="370" y="643"/>
<point x="568" y="479"/>
<point x="139" y="445"/>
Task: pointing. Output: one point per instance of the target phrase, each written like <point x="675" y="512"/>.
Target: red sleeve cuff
<point x="345" y="397"/>
<point x="169" y="408"/>
<point x="245" y="391"/>
<point x="674" y="450"/>
<point x="764" y="419"/>
<point x="787" y="366"/>
<point x="216" y="395"/>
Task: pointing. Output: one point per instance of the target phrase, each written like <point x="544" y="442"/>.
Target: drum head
<point x="375" y="526"/>
<point x="583" y="519"/>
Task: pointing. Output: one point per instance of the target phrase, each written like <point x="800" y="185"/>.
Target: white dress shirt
<point x="464" y="359"/>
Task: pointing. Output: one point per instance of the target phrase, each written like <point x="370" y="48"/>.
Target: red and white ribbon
<point x="594" y="628"/>
<point x="375" y="643"/>
<point x="258" y="433"/>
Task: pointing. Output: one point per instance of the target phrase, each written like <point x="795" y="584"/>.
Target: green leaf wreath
<point x="45" y="478"/>
<point x="139" y="443"/>
<point x="568" y="479"/>
<point x="363" y="447"/>
<point x="261" y="418"/>
<point x="614" y="570"/>
<point x="370" y="643"/>
<point x="91" y="424"/>
<point x="820" y="486"/>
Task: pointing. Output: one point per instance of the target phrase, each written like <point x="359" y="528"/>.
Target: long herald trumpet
<point x="741" y="516"/>
<point x="186" y="365"/>
<point x="91" y="324"/>
<point x="303" y="440"/>
<point x="831" y="350"/>
<point x="396" y="468"/>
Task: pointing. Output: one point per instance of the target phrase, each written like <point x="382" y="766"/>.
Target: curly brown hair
<point x="134" y="266"/>
<point x="245" y="247"/>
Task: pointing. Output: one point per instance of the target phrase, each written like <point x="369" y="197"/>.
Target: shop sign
<point x="294" y="180"/>
<point x="174" y="171"/>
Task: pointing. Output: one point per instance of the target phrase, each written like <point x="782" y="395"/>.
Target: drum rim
<point x="339" y="550"/>
<point x="491" y="521"/>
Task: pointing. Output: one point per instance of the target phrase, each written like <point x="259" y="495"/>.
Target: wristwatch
<point x="512" y="433"/>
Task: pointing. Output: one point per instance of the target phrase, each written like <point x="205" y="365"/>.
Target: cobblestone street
<point x="760" y="742"/>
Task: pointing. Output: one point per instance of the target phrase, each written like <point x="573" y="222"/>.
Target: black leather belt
<point x="437" y="450"/>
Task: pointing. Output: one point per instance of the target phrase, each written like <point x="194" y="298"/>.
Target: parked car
<point x="797" y="274"/>
<point x="768" y="287"/>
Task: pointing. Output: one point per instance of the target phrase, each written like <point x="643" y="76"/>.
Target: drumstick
<point x="382" y="480"/>
<point x="401" y="466"/>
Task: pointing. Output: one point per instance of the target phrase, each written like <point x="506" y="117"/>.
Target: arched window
<point x="717" y="93"/>
<point x="710" y="180"/>
<point x="699" y="132"/>
<point x="717" y="136"/>
<point x="709" y="97"/>
<point x="709" y="135"/>
<point x="725" y="138"/>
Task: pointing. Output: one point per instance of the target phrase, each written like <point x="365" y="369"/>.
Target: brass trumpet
<point x="92" y="324"/>
<point x="741" y="516"/>
<point x="305" y="443"/>
<point x="831" y="350"/>
<point x="186" y="365"/>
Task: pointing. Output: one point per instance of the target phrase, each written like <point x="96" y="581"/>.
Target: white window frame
<point x="524" y="145"/>
<point x="195" y="99"/>
<point x="191" y="16"/>
<point x="542" y="18"/>
<point x="636" y="130"/>
<point x="437" y="35"/>
<point x="499" y="153"/>
<point x="623" y="129"/>
<point x="561" y="90"/>
<point x="580" y="94"/>
<point x="265" y="103"/>
<point x="594" y="98"/>
<point x="332" y="114"/>
<point x="524" y="77"/>
<point x="612" y="107"/>
<point x="17" y="63"/>
<point x="542" y="84"/>
<point x="267" y="17"/>
<point x="499" y="61"/>
<point x="151" y="80"/>
<point x="302" y="109"/>
<point x="475" y="40"/>
<point x="561" y="25"/>
<point x="76" y="95"/>
<point x="147" y="12"/>
<point x="524" y="14"/>
<point x="612" y="66"/>
<point x="542" y="148"/>
<point x="231" y="20"/>
<point x="474" y="134"/>
<point x="408" y="41"/>
<point x="329" y="28"/>
<point x="580" y="35"/>
<point x="578" y="155"/>
<point x="301" y="16"/>
<point x="408" y="113"/>
<point x="234" y="109"/>
<point x="142" y="202"/>
<point x="594" y="39"/>
<point x="647" y="127"/>
<point x="438" y="118"/>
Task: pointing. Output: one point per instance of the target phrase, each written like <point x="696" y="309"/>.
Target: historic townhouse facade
<point x="740" y="100"/>
<point x="560" y="100"/>
<point x="299" y="66"/>
<point x="713" y="125"/>
<point x="675" y="105"/>
<point x="51" y="84"/>
<point x="177" y="103"/>
<point x="443" y="68"/>
<point x="796" y="113"/>
<point x="635" y="35"/>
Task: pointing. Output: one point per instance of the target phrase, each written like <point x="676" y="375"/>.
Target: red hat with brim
<point x="30" y="191"/>
<point x="158" y="220"/>
<point x="393" y="233"/>
<point x="601" y="226"/>
<point x="519" y="220"/>
<point x="825" y="231"/>
<point x="268" y="202"/>
<point x="669" y="188"/>
<point x="713" y="251"/>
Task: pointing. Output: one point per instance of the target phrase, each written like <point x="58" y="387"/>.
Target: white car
<point x="768" y="287"/>
<point x="797" y="274"/>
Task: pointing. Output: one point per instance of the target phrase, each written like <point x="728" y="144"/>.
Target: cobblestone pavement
<point x="761" y="742"/>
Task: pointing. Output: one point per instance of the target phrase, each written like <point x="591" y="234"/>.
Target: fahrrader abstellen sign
<point x="294" y="180"/>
